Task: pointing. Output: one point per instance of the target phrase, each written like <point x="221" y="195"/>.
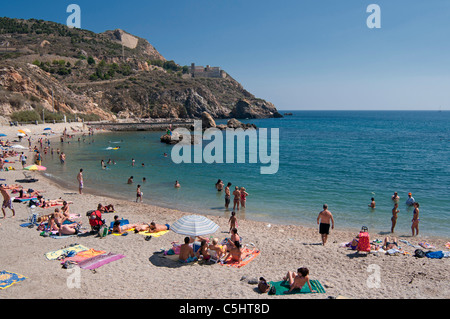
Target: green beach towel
<point x="283" y="286"/>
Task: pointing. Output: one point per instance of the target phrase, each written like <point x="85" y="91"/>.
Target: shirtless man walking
<point x="7" y="201"/>
<point x="323" y="220"/>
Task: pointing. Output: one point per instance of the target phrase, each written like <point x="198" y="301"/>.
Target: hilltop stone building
<point x="206" y="72"/>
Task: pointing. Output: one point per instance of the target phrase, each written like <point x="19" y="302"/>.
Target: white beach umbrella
<point x="194" y="225"/>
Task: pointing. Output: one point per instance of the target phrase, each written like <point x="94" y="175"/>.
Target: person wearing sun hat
<point x="410" y="201"/>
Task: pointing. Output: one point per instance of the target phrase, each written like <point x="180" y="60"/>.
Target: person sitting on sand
<point x="220" y="250"/>
<point x="186" y="252"/>
<point x="60" y="218"/>
<point x="298" y="280"/>
<point x="203" y="251"/>
<point x="235" y="252"/>
<point x="52" y="223"/>
<point x="233" y="238"/>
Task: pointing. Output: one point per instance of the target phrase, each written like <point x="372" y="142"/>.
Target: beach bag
<point x="103" y="231"/>
<point x="364" y="242"/>
<point x="95" y="219"/>
<point x="263" y="286"/>
<point x="272" y="290"/>
<point x="419" y="253"/>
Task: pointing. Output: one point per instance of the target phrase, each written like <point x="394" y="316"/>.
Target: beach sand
<point x="144" y="272"/>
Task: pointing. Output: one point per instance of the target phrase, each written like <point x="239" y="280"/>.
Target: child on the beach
<point x="232" y="221"/>
<point x="139" y="194"/>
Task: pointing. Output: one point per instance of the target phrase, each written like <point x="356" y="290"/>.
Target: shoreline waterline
<point x="72" y="189"/>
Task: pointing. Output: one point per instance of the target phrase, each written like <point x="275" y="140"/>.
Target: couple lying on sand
<point x="150" y="228"/>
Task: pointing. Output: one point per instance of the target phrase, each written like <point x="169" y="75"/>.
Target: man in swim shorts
<point x="7" y="201"/>
<point x="227" y="195"/>
<point x="155" y="228"/>
<point x="186" y="251"/>
<point x="324" y="219"/>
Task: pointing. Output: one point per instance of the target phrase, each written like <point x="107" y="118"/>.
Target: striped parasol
<point x="194" y="225"/>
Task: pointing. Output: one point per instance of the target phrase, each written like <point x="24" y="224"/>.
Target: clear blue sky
<point x="298" y="54"/>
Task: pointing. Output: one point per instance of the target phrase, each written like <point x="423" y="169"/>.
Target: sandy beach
<point x="145" y="273"/>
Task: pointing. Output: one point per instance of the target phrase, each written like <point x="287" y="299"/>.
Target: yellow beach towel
<point x="158" y="234"/>
<point x="55" y="254"/>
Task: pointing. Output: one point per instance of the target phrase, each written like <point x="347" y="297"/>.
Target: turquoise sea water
<point x="342" y="158"/>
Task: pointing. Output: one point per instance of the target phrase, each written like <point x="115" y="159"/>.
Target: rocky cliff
<point x="48" y="66"/>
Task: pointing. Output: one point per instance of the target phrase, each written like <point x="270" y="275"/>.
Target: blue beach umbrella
<point x="47" y="129"/>
<point x="3" y="135"/>
<point x="194" y="225"/>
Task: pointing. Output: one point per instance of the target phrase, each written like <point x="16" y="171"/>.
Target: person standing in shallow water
<point x="227" y="195"/>
<point x="395" y="212"/>
<point x="80" y="181"/>
<point x="324" y="220"/>
<point x="415" y="220"/>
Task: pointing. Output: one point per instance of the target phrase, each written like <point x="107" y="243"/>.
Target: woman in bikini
<point x="415" y="220"/>
<point x="203" y="251"/>
<point x="395" y="212"/>
<point x="244" y="194"/>
<point x="298" y="280"/>
<point x="237" y="198"/>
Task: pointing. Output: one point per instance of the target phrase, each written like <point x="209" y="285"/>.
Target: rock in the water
<point x="207" y="120"/>
<point x="259" y="109"/>
<point x="233" y="123"/>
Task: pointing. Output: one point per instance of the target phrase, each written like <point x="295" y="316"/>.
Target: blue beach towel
<point x="435" y="254"/>
<point x="122" y="222"/>
<point x="7" y="279"/>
